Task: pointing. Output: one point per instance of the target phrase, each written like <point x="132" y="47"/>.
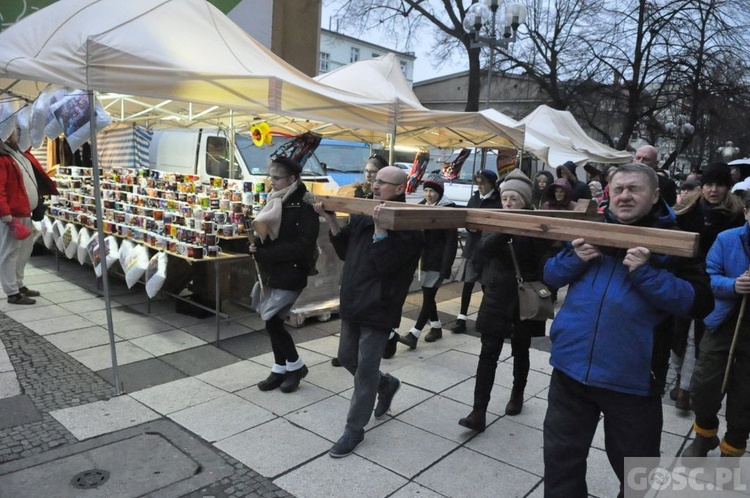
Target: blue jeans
<point x="632" y="428"/>
<point x="360" y="350"/>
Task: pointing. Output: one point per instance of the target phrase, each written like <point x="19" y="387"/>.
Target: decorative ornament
<point x="261" y="134"/>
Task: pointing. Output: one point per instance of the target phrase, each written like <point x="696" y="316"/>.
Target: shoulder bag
<point x="534" y="298"/>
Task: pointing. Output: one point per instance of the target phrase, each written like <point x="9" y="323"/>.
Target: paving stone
<point x="222" y="417"/>
<point x="227" y="331"/>
<point x="103" y="417"/>
<point x="440" y="416"/>
<point x="513" y="443"/>
<point x="283" y="403"/>
<point x="91" y="304"/>
<point x="29" y="314"/>
<point x="350" y="476"/>
<point x="320" y="418"/>
<point x="17" y="410"/>
<point x="481" y="477"/>
<point x="76" y="340"/>
<point x="9" y="385"/>
<point x="430" y="377"/>
<point x="177" y="395"/>
<point x="198" y="360"/>
<point x="236" y="376"/>
<point x="59" y="324"/>
<point x="267" y="448"/>
<point x="247" y="345"/>
<point x="167" y="342"/>
<point x="100" y="357"/>
<point x="142" y="374"/>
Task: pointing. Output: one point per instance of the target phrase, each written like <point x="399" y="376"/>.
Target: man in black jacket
<point x="379" y="266"/>
<point x="649" y="155"/>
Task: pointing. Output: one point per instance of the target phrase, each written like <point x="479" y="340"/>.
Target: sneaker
<point x="433" y="335"/>
<point x="345" y="446"/>
<point x="460" y="327"/>
<point x="390" y="348"/>
<point x="292" y="379"/>
<point x="20" y="299"/>
<point x="335" y="362"/>
<point x="386" y="397"/>
<point x="272" y="382"/>
<point x="28" y="292"/>
<point x="409" y="339"/>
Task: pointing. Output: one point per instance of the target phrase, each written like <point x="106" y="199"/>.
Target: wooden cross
<point x="555" y="225"/>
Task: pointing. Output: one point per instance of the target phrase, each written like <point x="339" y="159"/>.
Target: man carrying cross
<point x="611" y="338"/>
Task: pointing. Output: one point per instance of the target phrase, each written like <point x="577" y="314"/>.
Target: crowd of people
<point x="627" y="315"/>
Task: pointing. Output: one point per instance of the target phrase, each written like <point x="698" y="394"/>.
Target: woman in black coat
<point x="498" y="317"/>
<point x="708" y="210"/>
<point x="435" y="266"/>
<point x="287" y="233"/>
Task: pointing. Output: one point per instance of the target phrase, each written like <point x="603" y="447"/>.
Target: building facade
<point x="338" y="50"/>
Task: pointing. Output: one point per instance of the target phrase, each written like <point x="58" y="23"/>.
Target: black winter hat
<point x="716" y="173"/>
<point x="435" y="182"/>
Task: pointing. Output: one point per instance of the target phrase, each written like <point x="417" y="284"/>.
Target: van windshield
<point x="343" y="157"/>
<point x="257" y="159"/>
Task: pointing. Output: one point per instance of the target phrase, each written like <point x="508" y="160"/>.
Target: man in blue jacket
<point x="611" y="338"/>
<point x="727" y="264"/>
<point x="379" y="266"/>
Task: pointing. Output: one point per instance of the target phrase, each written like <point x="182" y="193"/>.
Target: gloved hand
<point x="7" y="218"/>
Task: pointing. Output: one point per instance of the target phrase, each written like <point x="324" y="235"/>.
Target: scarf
<point x="268" y="221"/>
<point x="27" y="172"/>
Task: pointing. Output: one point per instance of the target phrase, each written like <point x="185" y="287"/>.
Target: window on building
<point x="403" y="67"/>
<point x="325" y="59"/>
<point x="375" y="55"/>
<point x="354" y="54"/>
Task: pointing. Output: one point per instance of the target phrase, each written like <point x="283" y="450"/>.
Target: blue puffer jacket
<point x="614" y="329"/>
<point x="727" y="259"/>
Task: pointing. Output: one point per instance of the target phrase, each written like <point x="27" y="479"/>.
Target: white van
<point x="206" y="153"/>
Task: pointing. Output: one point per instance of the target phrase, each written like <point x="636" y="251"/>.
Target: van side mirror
<point x="324" y="166"/>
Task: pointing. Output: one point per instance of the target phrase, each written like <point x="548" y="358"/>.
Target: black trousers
<point x="706" y="396"/>
<point x="632" y="428"/>
<point x="282" y="343"/>
<point x="429" y="307"/>
<point x="492" y="346"/>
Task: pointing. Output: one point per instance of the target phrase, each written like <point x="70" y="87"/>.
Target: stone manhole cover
<point x="90" y="479"/>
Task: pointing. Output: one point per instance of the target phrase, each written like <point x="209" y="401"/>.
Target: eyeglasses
<point x="370" y="172"/>
<point x="380" y="183"/>
<point x="277" y="178"/>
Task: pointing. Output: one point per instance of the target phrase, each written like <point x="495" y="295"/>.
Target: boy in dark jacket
<point x="611" y="338"/>
<point x="378" y="268"/>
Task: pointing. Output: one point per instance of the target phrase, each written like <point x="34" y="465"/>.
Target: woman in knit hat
<point x="708" y="210"/>
<point x="559" y="196"/>
<point x="542" y="180"/>
<point x="487" y="197"/>
<point x="435" y="266"/>
<point x="498" y="317"/>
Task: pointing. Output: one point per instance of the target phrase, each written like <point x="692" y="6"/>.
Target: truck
<point x="206" y="152"/>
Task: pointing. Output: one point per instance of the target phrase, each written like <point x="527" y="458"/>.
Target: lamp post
<point x="484" y="14"/>
<point x="677" y="130"/>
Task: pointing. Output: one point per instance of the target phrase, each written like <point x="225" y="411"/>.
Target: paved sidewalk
<point x="54" y="363"/>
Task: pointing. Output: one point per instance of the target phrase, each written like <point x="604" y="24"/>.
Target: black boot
<point x="476" y="420"/>
<point x="433" y="335"/>
<point x="683" y="400"/>
<point x="701" y="446"/>
<point x="390" y="347"/>
<point x="460" y="327"/>
<point x="409" y="339"/>
<point x="675" y="390"/>
<point x="272" y="382"/>
<point x="515" y="403"/>
<point x="292" y="379"/>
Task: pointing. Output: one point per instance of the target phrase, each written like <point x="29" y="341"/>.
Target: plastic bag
<point x="43" y="123"/>
<point x="22" y="128"/>
<point x="112" y="254"/>
<point x="8" y="113"/>
<point x="70" y="241"/>
<point x="84" y="237"/>
<point x="74" y="114"/>
<point x="47" y="235"/>
<point x="271" y="302"/>
<point x="156" y="274"/>
<point x="135" y="265"/>
<point x="57" y="230"/>
<point x="125" y="247"/>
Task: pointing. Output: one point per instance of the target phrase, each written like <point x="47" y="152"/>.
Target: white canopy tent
<point x="381" y="79"/>
<point x="561" y="127"/>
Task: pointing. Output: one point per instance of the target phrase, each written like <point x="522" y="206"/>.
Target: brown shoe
<point x="515" y="403"/>
<point x="683" y="400"/>
<point x="20" y="299"/>
<point x="476" y="421"/>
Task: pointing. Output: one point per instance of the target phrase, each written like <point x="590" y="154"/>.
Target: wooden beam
<point x="543" y="224"/>
<point x="356" y="205"/>
<point x="672" y="242"/>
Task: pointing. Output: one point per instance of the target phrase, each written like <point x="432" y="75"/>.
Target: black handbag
<point x="534" y="298"/>
<point x="41" y="208"/>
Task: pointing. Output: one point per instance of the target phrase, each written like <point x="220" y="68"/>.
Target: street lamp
<point x="484" y="14"/>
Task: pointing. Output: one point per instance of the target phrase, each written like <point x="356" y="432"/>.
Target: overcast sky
<point x="423" y="66"/>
